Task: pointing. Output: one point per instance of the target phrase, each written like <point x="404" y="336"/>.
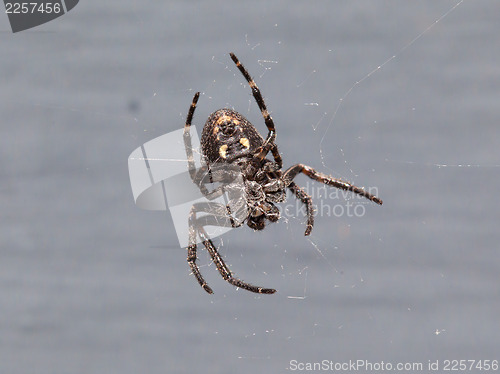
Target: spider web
<point x="332" y="118"/>
<point x="257" y="257"/>
<point x="87" y="277"/>
<point x="324" y="125"/>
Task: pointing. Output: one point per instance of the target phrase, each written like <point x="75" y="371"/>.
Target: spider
<point x="231" y="146"/>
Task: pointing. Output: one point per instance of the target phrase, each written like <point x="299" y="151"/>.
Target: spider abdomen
<point x="227" y="135"/>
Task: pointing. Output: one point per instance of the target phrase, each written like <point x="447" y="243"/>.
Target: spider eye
<point x="228" y="129"/>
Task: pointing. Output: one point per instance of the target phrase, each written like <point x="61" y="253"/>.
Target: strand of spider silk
<point x="444" y="165"/>
<point x="348" y="92"/>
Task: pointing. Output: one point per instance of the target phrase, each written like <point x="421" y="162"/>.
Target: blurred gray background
<point x="89" y="283"/>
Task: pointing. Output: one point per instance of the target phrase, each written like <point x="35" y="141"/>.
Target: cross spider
<point x="231" y="141"/>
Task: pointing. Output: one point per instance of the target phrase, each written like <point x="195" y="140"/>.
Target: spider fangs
<point x="232" y="147"/>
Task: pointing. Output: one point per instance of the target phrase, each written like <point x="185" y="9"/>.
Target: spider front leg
<point x="196" y="227"/>
<point x="187" y="136"/>
<point x="205" y="174"/>
<point x="189" y="148"/>
<point x="292" y="172"/>
<point x="271" y="136"/>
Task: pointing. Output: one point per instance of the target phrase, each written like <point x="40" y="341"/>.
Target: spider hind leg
<point x="196" y="227"/>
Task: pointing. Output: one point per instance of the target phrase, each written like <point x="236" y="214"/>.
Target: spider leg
<point x="191" y="257"/>
<point x="215" y="212"/>
<point x="226" y="273"/>
<point x="196" y="175"/>
<point x="306" y="199"/>
<point x="271" y="137"/>
<point x="195" y="224"/>
<point x="292" y="172"/>
<point x="189" y="148"/>
<point x="196" y="228"/>
<point x="221" y="173"/>
<point x="187" y="136"/>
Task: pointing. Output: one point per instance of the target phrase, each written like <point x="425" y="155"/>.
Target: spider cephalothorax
<point x="233" y="150"/>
